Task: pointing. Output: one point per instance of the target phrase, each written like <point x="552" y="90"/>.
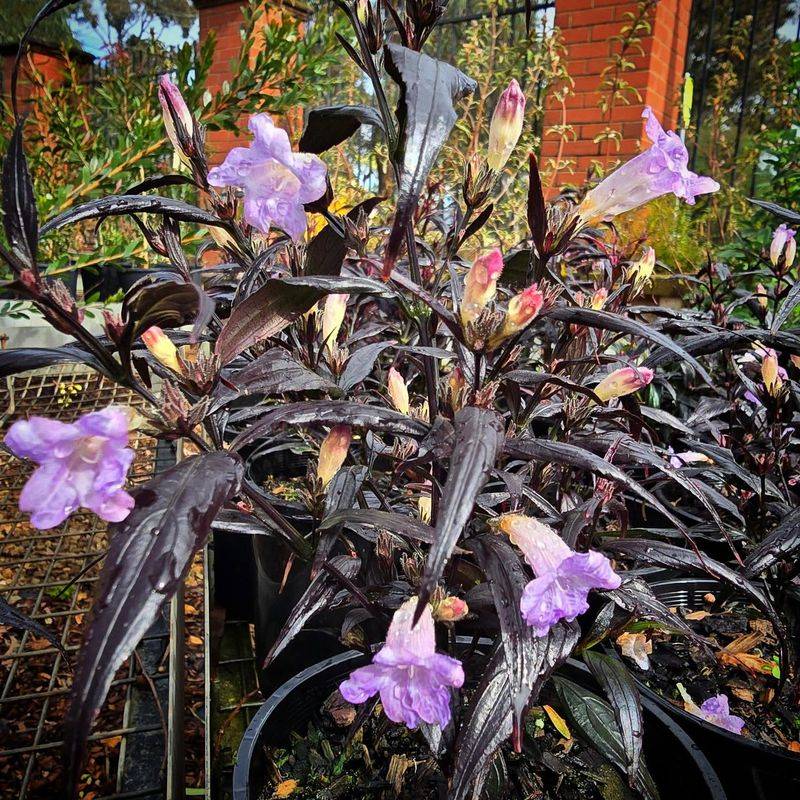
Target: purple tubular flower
<point x="276" y="181"/>
<point x="661" y="169"/>
<point x="716" y="711"/>
<point x="83" y="463"/>
<point x="413" y="679"/>
<point x="563" y="577"/>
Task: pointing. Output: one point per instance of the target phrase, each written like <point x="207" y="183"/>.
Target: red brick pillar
<point x="587" y="27"/>
<point x="224" y="19"/>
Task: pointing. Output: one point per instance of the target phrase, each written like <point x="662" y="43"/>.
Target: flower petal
<point x="40" y="439"/>
<point x="49" y="495"/>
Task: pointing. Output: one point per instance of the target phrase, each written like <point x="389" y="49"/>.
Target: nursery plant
<point x="494" y="447"/>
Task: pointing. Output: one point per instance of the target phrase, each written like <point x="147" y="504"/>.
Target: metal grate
<point x="49" y="575"/>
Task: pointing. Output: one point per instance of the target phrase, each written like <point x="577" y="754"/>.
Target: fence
<point x="729" y="43"/>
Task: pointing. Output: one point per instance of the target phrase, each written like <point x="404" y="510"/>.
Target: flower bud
<point x="480" y="285"/>
<point x="522" y="308"/>
<point x="425" y="508"/>
<point x="451" y="609"/>
<point x="642" y="270"/>
<point x="783" y="243"/>
<point x="333" y="452"/>
<point x="398" y="391"/>
<point x="174" y="109"/>
<point x="506" y="127"/>
<point x="599" y="299"/>
<point x="626" y="380"/>
<point x="770" y="373"/>
<point x="761" y="296"/>
<point x="162" y="348"/>
<point x="333" y="317"/>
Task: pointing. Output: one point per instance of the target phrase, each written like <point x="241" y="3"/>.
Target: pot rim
<point x="247" y="747"/>
<point x="672" y="577"/>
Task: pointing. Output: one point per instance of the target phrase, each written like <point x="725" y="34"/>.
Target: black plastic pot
<point x="678" y="766"/>
<point x="747" y="768"/>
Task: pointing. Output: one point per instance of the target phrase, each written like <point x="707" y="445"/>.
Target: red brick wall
<point x="36" y="66"/>
<point x="587" y="27"/>
<point x="224" y="19"/>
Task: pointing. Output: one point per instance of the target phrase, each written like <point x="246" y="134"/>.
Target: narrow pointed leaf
<point x="361" y="362"/>
<point x="478" y="441"/>
<point x="401" y="524"/>
<point x="319" y="594"/>
<point x="150" y="553"/>
<point x="594" y="720"/>
<point x="781" y="544"/>
<point x="14" y="618"/>
<point x="20" y="217"/>
<point x="21" y="359"/>
<point x="623" y="696"/>
<point x="328" y="412"/>
<point x="121" y="204"/>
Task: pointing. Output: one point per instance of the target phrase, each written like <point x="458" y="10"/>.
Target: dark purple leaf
<point x="320" y="593"/>
<point x="488" y="720"/>
<point x="331" y="125"/>
<point x="636" y="597"/>
<point x="670" y="556"/>
<point x="594" y="720"/>
<point x="477" y="223"/>
<point x="326" y="251"/>
<point x="607" y="321"/>
<point x="13" y="618"/>
<point x="165" y="303"/>
<point x="526" y="377"/>
<point x="361" y="362"/>
<point x="781" y="544"/>
<point x="21" y="359"/>
<point x="273" y="372"/>
<point x="508" y="579"/>
<point x="444" y="314"/>
<point x="150" y="554"/>
<point x="326" y="412"/>
<point x="486" y="725"/>
<point x="20" y="217"/>
<point x="277" y="303"/>
<point x="121" y="204"/>
<point x="547" y="451"/>
<point x="517" y="269"/>
<point x="529" y="659"/>
<point x="159" y="182"/>
<point x="623" y="696"/>
<point x="478" y="441"/>
<point x="537" y="211"/>
<point x="400" y="524"/>
<point x="428" y="89"/>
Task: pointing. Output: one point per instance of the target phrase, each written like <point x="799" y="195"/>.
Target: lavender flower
<point x="661" y="169"/>
<point x="563" y="577"/>
<point x="276" y="181"/>
<point x="716" y="711"/>
<point x="83" y="463"/>
<point x="783" y="242"/>
<point x="412" y="678"/>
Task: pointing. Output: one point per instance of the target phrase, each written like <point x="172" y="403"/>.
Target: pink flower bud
<point x="770" y="373"/>
<point x="626" y="380"/>
<point x="451" y="609"/>
<point x="162" y="349"/>
<point x="783" y="242"/>
<point x="481" y="284"/>
<point x="398" y="391"/>
<point x="522" y="308"/>
<point x="173" y="107"/>
<point x="333" y="452"/>
<point x="333" y="317"/>
<point x="506" y="127"/>
<point x="761" y="295"/>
